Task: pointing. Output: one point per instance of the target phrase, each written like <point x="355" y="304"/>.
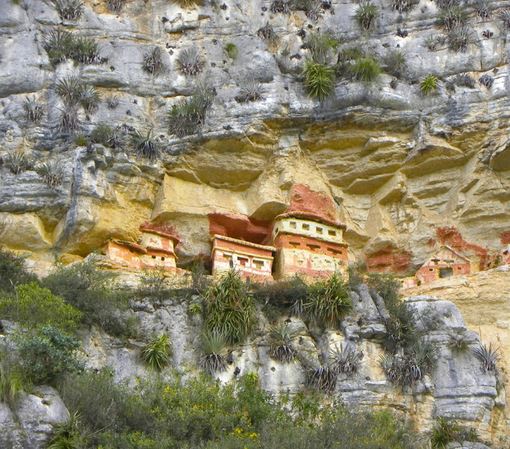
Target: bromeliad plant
<point x="319" y="79"/>
<point x="280" y="346"/>
<point x="345" y="360"/>
<point x="488" y="357"/>
<point x="156" y="353"/>
<point x="328" y="301"/>
<point x="213" y="349"/>
<point x="229" y="308"/>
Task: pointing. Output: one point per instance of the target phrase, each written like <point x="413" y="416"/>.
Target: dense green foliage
<point x="32" y="305"/>
<point x="319" y="79"/>
<point x="229" y="308"/>
<point x="202" y="414"/>
<point x="47" y="354"/>
<point x="365" y="69"/>
<point x="90" y="290"/>
<point x="366" y="15"/>
<point x="428" y="84"/>
<point x="328" y="301"/>
<point x="156" y="353"/>
<point x="448" y="431"/>
<point x="13" y="271"/>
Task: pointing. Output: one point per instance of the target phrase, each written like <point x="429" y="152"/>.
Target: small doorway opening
<point x="445" y="272"/>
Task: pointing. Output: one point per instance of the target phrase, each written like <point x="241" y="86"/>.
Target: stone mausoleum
<point x="155" y="250"/>
<point x="445" y="262"/>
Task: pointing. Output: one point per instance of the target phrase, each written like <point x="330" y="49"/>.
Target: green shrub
<point x="85" y="50"/>
<point x="13" y="271"/>
<point x="70" y="90"/>
<point x="366" y="15"/>
<point x="47" y="354"/>
<point x="213" y="349"/>
<point x="328" y="301"/>
<point x="90" y="290"/>
<point x="444" y="432"/>
<point x="282" y="293"/>
<point x="106" y="135"/>
<point x="280" y="343"/>
<point x="229" y="308"/>
<point x="81" y="140"/>
<point x="429" y="84"/>
<point x="58" y="45"/>
<point x="319" y="79"/>
<point x="231" y="50"/>
<point x="32" y="306"/>
<point x="345" y="61"/>
<point x="156" y="353"/>
<point x="365" y="69"/>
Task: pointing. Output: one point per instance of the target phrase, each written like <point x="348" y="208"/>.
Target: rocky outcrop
<point x="29" y="423"/>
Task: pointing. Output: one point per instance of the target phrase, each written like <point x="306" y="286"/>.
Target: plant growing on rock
<point x="13" y="271"/>
<point x="323" y="379"/>
<point x="51" y="173"/>
<point x="486" y="80"/>
<point x="250" y="91"/>
<point x="453" y="18"/>
<point x="107" y="136"/>
<point x="69" y="9"/>
<point x="144" y="145"/>
<point x="483" y="9"/>
<point x="434" y="42"/>
<point x="446" y="431"/>
<point x="280" y="343"/>
<point x="156" y="353"/>
<point x="311" y="8"/>
<point x="12" y="380"/>
<point x="458" y="342"/>
<point x="267" y="33"/>
<point x="395" y="63"/>
<point x="153" y="62"/>
<point x="429" y="84"/>
<point x="229" y="308"/>
<point x="403" y="6"/>
<point x="18" y="162"/>
<point x="345" y="360"/>
<point x="33" y="110"/>
<point x="69" y="120"/>
<point x="366" y="15"/>
<point x="70" y="90"/>
<point x="58" y="45"/>
<point x="365" y="69"/>
<point x="153" y="285"/>
<point x="465" y="80"/>
<point x="188" y="116"/>
<point x="319" y="79"/>
<point x="231" y="50"/>
<point x="321" y="46"/>
<point x="115" y="5"/>
<point x="89" y="98"/>
<point x="188" y="3"/>
<point x="189" y="61"/>
<point x="67" y="435"/>
<point x="84" y="50"/>
<point x="213" y="350"/>
<point x="504" y="16"/>
<point x="488" y="357"/>
<point x="328" y="301"/>
<point x="280" y="6"/>
<point x="459" y="39"/>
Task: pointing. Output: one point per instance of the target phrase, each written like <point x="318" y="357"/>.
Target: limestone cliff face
<point x="399" y="166"/>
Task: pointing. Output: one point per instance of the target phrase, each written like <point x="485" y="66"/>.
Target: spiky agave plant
<point x="365" y="69"/>
<point x="366" y="15"/>
<point x="67" y="435"/>
<point x="85" y="50"/>
<point x="89" y="98"/>
<point x="153" y="62"/>
<point x="488" y="356"/>
<point x="229" y="308"/>
<point x="156" y="353"/>
<point x="33" y="110"/>
<point x="429" y="84"/>
<point x="213" y="349"/>
<point x="51" y="173"/>
<point x="189" y="61"/>
<point x="319" y="79"/>
<point x="444" y="432"/>
<point x="322" y="378"/>
<point x="345" y="359"/>
<point x="18" y="162"/>
<point x="280" y="347"/>
<point x="328" y="301"/>
<point x="70" y="90"/>
<point x="59" y="45"/>
<point x="144" y="145"/>
<point x="69" y="9"/>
